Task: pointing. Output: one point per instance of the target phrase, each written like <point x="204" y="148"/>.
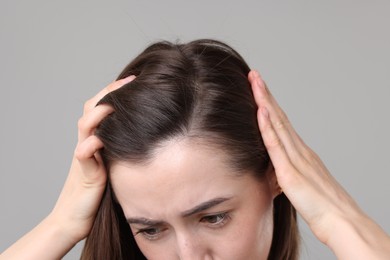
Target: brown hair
<point x="197" y="90"/>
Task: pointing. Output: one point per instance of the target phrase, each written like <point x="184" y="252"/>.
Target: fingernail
<point x="251" y="75"/>
<point x="129" y="78"/>
<point x="258" y="79"/>
<point x="265" y="112"/>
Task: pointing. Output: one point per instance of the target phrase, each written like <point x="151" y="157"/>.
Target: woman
<point x="171" y="164"/>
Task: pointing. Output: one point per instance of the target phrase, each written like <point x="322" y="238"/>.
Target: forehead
<point x="182" y="174"/>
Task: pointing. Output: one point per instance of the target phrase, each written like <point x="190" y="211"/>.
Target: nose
<point x="191" y="247"/>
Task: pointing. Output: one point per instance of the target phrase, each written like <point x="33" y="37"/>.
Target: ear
<point x="273" y="181"/>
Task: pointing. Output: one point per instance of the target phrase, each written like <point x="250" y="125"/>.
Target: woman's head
<point x="187" y="167"/>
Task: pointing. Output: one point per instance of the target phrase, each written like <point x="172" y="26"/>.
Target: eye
<point x="216" y="220"/>
<point x="150" y="233"/>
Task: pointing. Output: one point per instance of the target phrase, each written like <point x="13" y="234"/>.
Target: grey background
<point x="327" y="63"/>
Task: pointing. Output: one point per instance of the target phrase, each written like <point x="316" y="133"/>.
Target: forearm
<point x="48" y="240"/>
<point x="360" y="238"/>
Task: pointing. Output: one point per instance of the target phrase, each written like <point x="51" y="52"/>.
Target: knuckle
<point x="279" y="125"/>
<point x="283" y="116"/>
<point x="266" y="88"/>
<point x="302" y="161"/>
<point x="282" y="122"/>
<point x="79" y="153"/>
<point x="88" y="105"/>
<point x="273" y="141"/>
<point x="291" y="178"/>
<point x="307" y="153"/>
<point x="80" y="123"/>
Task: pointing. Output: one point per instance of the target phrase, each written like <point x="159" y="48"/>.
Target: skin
<point x="331" y="213"/>
<point x="333" y="216"/>
<point x="238" y="225"/>
<point x="72" y="217"/>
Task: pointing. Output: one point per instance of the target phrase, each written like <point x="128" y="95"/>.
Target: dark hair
<point x="195" y="90"/>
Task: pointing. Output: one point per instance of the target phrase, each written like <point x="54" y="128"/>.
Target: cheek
<point x="154" y="251"/>
<point x="253" y="236"/>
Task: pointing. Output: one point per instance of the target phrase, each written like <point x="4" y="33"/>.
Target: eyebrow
<point x="204" y="206"/>
<point x="144" y="221"/>
<point x="199" y="208"/>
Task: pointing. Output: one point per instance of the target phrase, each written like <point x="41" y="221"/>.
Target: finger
<point x="266" y="96"/>
<point x="91" y="103"/>
<point x="294" y="182"/>
<point x="88" y="122"/>
<point x="85" y="153"/>
<point x="284" y="169"/>
<point x="279" y="120"/>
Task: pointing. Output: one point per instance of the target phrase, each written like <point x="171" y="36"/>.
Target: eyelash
<point x="223" y="219"/>
<point x="156" y="233"/>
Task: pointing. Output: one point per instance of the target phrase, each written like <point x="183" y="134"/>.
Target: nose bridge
<point x="189" y="246"/>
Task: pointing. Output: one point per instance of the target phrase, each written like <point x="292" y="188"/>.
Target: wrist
<point x="358" y="237"/>
<point x="61" y="229"/>
<point x="48" y="240"/>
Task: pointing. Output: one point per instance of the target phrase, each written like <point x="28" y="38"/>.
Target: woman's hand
<point x="73" y="215"/>
<point x="331" y="213"/>
<point x="80" y="198"/>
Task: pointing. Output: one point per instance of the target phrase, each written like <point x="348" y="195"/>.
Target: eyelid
<point x="143" y="232"/>
<point x="225" y="218"/>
